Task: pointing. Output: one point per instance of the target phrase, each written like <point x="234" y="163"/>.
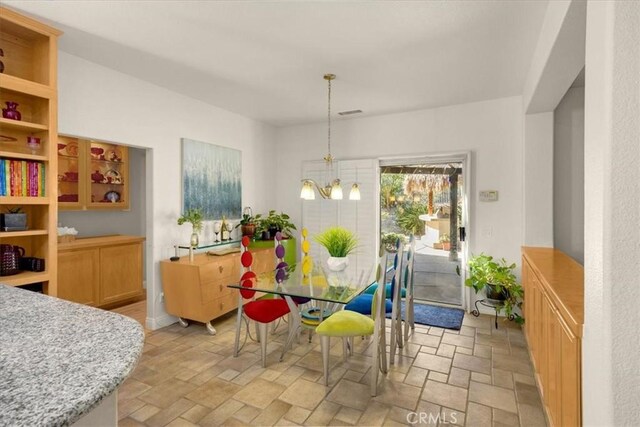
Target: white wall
<point x="492" y="130"/>
<point x="611" y="366"/>
<point x="102" y="103"/>
<point x="568" y="172"/>
<point x="538" y="180"/>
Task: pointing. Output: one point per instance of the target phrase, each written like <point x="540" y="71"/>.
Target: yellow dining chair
<point x="347" y="324"/>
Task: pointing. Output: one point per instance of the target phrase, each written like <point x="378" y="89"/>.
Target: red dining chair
<point x="262" y="311"/>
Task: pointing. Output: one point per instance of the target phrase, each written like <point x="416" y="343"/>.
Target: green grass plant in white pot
<point x="339" y="242"/>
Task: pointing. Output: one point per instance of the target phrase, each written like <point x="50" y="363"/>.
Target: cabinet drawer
<point x="214" y="290"/>
<point x="220" y="271"/>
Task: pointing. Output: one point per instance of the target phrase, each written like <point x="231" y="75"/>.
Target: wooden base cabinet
<point x="101" y="271"/>
<point x="197" y="290"/>
<point x="553" y="307"/>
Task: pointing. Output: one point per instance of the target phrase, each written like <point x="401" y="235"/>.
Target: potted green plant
<point x="14" y="220"/>
<point x="339" y="242"/>
<point x="445" y="241"/>
<point x="499" y="282"/>
<point x="389" y="241"/>
<point x="248" y="224"/>
<point x="194" y="217"/>
<point x="272" y="223"/>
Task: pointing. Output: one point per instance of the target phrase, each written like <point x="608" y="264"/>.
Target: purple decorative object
<point x="11" y="111"/>
<point x="282" y="265"/>
<point x="34" y="143"/>
<point x="280" y="251"/>
<point x="281" y="274"/>
<point x="278" y="236"/>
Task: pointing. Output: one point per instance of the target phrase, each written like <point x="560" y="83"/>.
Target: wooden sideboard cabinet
<point x="554" y="312"/>
<point x="101" y="271"/>
<point x="198" y="290"/>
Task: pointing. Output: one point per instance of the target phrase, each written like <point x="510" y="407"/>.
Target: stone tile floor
<point x="477" y="376"/>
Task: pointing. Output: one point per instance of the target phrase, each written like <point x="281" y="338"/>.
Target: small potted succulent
<point x="499" y="282"/>
<point x="14" y="220"/>
<point x="339" y="242"/>
<point x="194" y="217"/>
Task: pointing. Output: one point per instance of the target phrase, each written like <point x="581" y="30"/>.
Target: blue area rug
<point x="433" y="315"/>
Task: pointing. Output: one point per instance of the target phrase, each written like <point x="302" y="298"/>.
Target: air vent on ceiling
<point x="350" y="112"/>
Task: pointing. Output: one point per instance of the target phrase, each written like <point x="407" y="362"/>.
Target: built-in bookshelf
<point x="28" y="141"/>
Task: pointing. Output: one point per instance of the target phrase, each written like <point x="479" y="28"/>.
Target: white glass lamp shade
<point x="336" y="190"/>
<point x="354" y="194"/>
<point x="307" y="193"/>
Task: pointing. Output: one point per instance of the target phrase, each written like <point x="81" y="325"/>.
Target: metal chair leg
<point x="262" y="334"/>
<point x="325" y="342"/>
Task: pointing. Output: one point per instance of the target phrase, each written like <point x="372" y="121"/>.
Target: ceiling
<point x="266" y="59"/>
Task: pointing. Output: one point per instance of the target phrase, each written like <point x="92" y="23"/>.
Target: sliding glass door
<point x="426" y="197"/>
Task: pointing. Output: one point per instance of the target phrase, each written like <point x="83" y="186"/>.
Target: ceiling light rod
<point x="333" y="189"/>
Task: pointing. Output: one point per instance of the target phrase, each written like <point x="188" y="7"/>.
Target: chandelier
<point x="332" y="189"/>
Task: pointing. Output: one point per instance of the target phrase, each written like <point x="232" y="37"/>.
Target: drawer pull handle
<point x="220" y="268"/>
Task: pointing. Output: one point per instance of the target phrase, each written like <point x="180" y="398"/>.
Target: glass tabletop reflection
<point x="320" y="285"/>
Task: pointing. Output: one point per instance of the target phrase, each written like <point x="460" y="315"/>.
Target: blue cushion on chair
<point x="362" y="304"/>
<point x="372" y="289"/>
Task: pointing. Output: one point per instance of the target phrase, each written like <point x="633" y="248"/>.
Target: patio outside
<point x="419" y="200"/>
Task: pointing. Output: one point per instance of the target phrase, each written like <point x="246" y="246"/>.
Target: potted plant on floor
<point x="446" y="242"/>
<point x="194" y="217"/>
<point x="499" y="282"/>
<point x="339" y="242"/>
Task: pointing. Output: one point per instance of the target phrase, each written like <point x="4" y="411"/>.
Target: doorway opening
<point x="426" y="198"/>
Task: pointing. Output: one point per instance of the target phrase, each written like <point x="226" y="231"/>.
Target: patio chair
<point x="262" y="311"/>
<point x="347" y="324"/>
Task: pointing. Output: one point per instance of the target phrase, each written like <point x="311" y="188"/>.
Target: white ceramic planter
<point x="337" y="264"/>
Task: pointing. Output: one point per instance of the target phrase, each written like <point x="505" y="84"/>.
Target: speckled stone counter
<point x="59" y="360"/>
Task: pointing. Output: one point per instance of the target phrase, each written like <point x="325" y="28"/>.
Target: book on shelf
<point x="22" y="178"/>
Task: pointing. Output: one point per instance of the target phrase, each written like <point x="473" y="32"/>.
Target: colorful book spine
<point x="21" y="178"/>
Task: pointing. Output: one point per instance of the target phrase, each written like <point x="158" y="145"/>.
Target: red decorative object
<point x="97" y="177"/>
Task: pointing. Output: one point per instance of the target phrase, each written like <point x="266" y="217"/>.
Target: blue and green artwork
<point x="211" y="179"/>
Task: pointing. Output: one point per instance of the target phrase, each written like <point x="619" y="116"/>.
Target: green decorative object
<point x="289" y="248"/>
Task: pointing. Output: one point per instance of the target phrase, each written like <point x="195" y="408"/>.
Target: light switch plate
<point x="489" y="196"/>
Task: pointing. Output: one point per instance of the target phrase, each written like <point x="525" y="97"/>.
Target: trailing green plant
<point x="338" y="241"/>
<point x="280" y="222"/>
<point x="408" y="218"/>
<point x="485" y="272"/>
<point x="194" y="217"/>
<point x="389" y="241"/>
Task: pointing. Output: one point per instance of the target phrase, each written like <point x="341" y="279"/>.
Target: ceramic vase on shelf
<point x="11" y="111"/>
<point x="337" y="264"/>
<point x="194" y="240"/>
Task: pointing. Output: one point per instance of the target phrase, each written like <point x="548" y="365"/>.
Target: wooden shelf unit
<point x="30" y="79"/>
<point x="554" y="313"/>
<point x="84" y="164"/>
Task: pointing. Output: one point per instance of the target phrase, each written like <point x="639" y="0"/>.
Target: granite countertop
<point x="59" y="359"/>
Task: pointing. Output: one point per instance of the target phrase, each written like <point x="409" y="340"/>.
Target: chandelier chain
<point x="329" y="158"/>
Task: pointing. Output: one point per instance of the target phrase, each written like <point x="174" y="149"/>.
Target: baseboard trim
<point x="160" y="322"/>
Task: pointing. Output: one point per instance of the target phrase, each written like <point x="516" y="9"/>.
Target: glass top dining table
<point x="320" y="285"/>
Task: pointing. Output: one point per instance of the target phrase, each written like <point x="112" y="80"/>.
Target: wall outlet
<point x="489" y="196"/>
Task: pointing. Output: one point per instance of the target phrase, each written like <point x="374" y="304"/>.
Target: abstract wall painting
<point x="211" y="179"/>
